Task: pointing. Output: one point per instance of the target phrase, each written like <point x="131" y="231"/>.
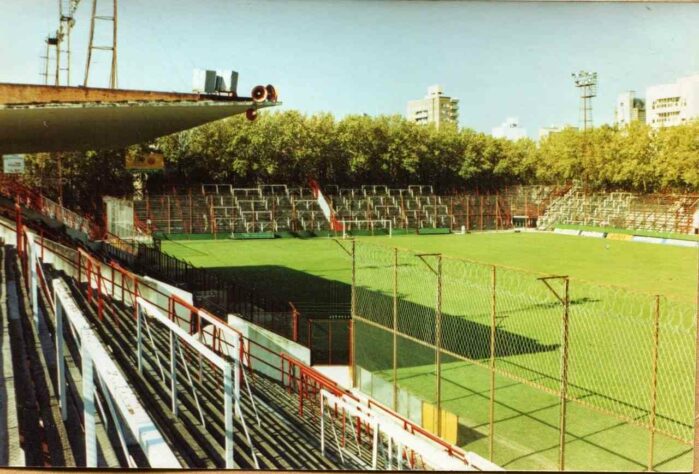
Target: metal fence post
<point x="654" y="381"/>
<point x="491" y="408"/>
<point x="173" y="373"/>
<point x="564" y="375"/>
<point x="696" y="378"/>
<point x="352" y="365"/>
<point x="565" y="301"/>
<point x="32" y="258"/>
<point x="395" y="329"/>
<point x="438" y="344"/>
<point x="139" y="335"/>
<point x="228" y="414"/>
<point x="60" y="361"/>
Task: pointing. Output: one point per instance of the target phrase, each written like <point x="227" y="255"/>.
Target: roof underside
<point x="42" y="119"/>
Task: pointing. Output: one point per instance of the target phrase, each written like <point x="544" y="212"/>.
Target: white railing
<point x="98" y="366"/>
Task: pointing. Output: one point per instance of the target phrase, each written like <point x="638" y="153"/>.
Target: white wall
<point x="264" y="361"/>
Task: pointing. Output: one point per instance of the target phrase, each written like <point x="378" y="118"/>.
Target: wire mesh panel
<point x="611" y="349"/>
<point x="329" y="341"/>
<point x="676" y="356"/>
<point x="536" y="368"/>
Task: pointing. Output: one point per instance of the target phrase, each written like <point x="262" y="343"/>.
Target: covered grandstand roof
<point x="46" y="118"/>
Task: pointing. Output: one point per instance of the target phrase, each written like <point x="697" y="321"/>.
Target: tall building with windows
<point x="510" y="129"/>
<point x="673" y="104"/>
<point x="629" y="108"/>
<point x="435" y="108"/>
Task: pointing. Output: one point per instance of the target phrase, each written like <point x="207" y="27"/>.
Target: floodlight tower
<point x="66" y="12"/>
<point x="51" y="44"/>
<point x="586" y="82"/>
<point x="113" y="48"/>
<point x="59" y="42"/>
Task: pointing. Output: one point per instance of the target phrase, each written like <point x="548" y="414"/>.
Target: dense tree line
<point x="288" y="147"/>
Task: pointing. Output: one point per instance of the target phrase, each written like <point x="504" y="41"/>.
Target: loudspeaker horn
<point x="271" y="93"/>
<point x="259" y="93"/>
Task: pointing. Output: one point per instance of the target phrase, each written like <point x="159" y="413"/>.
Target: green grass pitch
<point x="311" y="270"/>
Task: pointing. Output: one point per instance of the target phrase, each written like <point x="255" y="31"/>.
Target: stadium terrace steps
<point x="658" y="213"/>
<point x="282" y="441"/>
<point x="278" y="208"/>
<point x="38" y="436"/>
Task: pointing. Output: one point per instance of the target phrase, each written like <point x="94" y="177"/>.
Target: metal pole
<point x="58" y="59"/>
<point x="173" y="373"/>
<point x="34" y="281"/>
<point x="491" y="410"/>
<point x="654" y="381"/>
<point x="89" y="408"/>
<point x="68" y="29"/>
<point x="438" y="344"/>
<point x="395" y="329"/>
<point x="322" y="426"/>
<point x="696" y="386"/>
<point x="228" y="413"/>
<point x="46" y="65"/>
<point x="564" y="377"/>
<point x="60" y="362"/>
<point x="353" y="368"/>
<point x="89" y="47"/>
<point x="139" y="336"/>
<point x="113" y="77"/>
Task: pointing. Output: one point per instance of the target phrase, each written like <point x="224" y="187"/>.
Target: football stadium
<point x="217" y="280"/>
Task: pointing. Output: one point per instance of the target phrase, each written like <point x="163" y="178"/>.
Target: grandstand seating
<point x="660" y="213"/>
<point x="225" y="209"/>
<point x="222" y="208"/>
<point x="277" y="208"/>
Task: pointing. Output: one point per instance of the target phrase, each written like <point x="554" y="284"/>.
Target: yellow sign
<point x="449" y="422"/>
<point x="153" y="160"/>
<point x="613" y="236"/>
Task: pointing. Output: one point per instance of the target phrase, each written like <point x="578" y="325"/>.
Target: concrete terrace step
<point x="283" y="441"/>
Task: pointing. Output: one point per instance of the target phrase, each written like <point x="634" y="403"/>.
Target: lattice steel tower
<point x="586" y="82"/>
<point x="113" y="48"/>
<point x="59" y="43"/>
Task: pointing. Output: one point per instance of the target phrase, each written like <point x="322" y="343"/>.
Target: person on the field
<point x="696" y="221"/>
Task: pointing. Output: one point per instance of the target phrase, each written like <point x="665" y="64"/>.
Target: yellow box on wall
<point x="449" y="422"/>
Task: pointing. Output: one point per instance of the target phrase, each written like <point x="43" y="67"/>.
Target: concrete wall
<point x="264" y="361"/>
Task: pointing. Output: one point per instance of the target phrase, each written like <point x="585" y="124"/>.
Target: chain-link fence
<point x="534" y="371"/>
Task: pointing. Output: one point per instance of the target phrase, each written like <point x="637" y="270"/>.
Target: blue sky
<point x="499" y="58"/>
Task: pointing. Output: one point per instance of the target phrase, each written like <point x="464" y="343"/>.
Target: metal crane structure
<point x="59" y="43"/>
<point x="587" y="83"/>
<point x="113" y="48"/>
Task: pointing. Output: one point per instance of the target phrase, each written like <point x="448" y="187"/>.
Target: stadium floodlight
<point x="586" y="82"/>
